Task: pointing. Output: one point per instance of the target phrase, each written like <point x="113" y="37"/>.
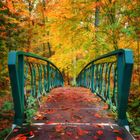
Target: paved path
<point x="72" y="114"/>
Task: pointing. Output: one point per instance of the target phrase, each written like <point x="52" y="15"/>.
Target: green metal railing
<point x="30" y="74"/>
<point x="109" y="76"/>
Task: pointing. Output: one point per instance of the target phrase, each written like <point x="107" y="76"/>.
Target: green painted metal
<point x="16" y="91"/>
<point x="35" y="77"/>
<point x="110" y="80"/>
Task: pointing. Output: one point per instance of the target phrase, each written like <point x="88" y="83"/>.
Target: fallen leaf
<point x="49" y="122"/>
<point x="20" y="137"/>
<point x="82" y="132"/>
<point x="77" y="117"/>
<point x="59" y="128"/>
<point x="116" y="131"/>
<point x="31" y="133"/>
<point x="15" y="130"/>
<point x="95" y="138"/>
<point x="100" y="132"/>
<point x="118" y="138"/>
<point x="78" y="120"/>
<point x="65" y="108"/>
<point x="98" y="126"/>
<point x="50" y="111"/>
<point x="105" y="107"/>
<point x="97" y="115"/>
<point x="69" y="133"/>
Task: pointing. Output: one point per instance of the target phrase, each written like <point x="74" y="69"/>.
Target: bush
<point x="31" y="108"/>
<point x="7" y="106"/>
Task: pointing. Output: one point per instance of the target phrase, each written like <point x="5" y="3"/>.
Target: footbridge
<point x="93" y="110"/>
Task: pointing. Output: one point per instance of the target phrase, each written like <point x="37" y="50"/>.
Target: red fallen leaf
<point x="50" y="111"/>
<point x="110" y="115"/>
<point x="82" y="132"/>
<point x="15" y="130"/>
<point x="23" y="138"/>
<point x="58" y="116"/>
<point x="69" y="133"/>
<point x="31" y="133"/>
<point x="20" y="137"/>
<point x="105" y="107"/>
<point x="98" y="126"/>
<point x="116" y="131"/>
<point x="58" y="128"/>
<point x="100" y="132"/>
<point x="95" y="138"/>
<point x="49" y="122"/>
<point x="97" y="115"/>
<point x="118" y="138"/>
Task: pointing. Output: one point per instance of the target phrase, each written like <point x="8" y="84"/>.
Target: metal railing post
<point x="48" y="75"/>
<point x="92" y="77"/>
<point x="124" y="69"/>
<point x="17" y="85"/>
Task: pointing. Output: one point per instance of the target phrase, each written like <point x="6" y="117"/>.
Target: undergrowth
<point x="134" y="110"/>
<point x="31" y="108"/>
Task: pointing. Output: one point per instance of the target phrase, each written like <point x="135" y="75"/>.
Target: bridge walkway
<point x="72" y="113"/>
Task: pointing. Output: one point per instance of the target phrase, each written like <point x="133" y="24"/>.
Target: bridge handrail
<point x="92" y="74"/>
<point x="16" y="66"/>
<point x="116" y="52"/>
<point x="30" y="55"/>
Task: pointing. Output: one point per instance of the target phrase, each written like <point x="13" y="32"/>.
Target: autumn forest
<point x="70" y="33"/>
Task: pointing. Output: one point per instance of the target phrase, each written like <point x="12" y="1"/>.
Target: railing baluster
<point x="48" y="76"/>
<point x="92" y="77"/>
<point x="45" y="79"/>
<point x="108" y="88"/>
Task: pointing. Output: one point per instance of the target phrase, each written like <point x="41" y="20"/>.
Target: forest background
<point x="70" y="33"/>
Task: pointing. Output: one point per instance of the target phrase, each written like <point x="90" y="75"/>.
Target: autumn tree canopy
<point x="69" y="32"/>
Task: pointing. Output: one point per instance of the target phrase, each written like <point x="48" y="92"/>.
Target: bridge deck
<point x="71" y="114"/>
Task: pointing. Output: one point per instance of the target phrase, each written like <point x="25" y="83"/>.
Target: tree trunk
<point x="96" y="29"/>
<point x="138" y="47"/>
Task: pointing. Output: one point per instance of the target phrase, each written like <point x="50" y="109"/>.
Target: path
<point x="72" y="114"/>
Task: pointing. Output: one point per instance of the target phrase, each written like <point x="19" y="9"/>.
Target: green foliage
<point x="73" y="83"/>
<point x="128" y="31"/>
<point x="4" y="133"/>
<point x="31" y="108"/>
<point x="134" y="110"/>
<point x="7" y="106"/>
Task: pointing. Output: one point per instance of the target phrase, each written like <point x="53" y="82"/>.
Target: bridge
<point x="93" y="110"/>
